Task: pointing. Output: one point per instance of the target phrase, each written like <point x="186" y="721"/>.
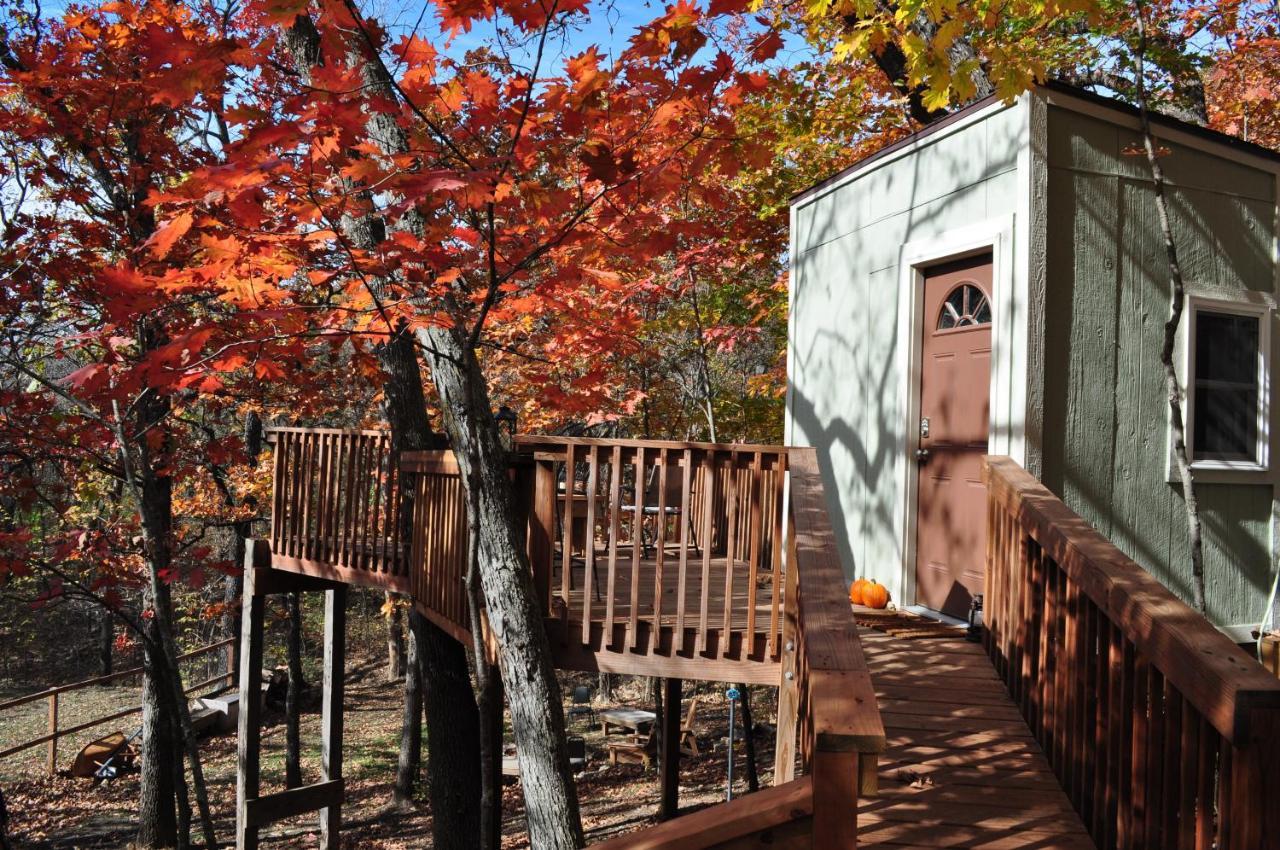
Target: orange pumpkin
<point x="855" y="591"/>
<point x="875" y="595"/>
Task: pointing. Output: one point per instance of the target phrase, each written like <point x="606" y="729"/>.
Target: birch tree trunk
<point x="1173" y="387"/>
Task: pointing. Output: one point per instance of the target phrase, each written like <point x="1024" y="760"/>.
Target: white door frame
<point x="1006" y="426"/>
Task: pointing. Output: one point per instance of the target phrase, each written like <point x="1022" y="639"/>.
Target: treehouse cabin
<point x="997" y="284"/>
<point x="1097" y="709"/>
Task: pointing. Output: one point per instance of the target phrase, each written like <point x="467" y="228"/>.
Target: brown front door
<point x="955" y="389"/>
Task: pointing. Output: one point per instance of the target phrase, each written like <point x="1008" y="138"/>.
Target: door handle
<point x="922" y="455"/>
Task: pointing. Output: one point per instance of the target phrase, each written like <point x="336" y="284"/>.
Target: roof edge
<point x="1157" y="120"/>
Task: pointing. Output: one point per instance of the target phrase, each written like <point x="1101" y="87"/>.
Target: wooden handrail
<point x="826" y="683"/>
<point x="1162" y="731"/>
<point x="784" y="812"/>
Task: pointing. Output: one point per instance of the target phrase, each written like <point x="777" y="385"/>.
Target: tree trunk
<point x="749" y="739"/>
<point x="293" y="695"/>
<point x="510" y="599"/>
<point x="4" y="824"/>
<point x="395" y="638"/>
<point x="453" y="737"/>
<point x="1173" y="388"/>
<point x="410" y="762"/>
<point x="106" y="641"/>
<point x="491" y="716"/>
<point x="157" y="820"/>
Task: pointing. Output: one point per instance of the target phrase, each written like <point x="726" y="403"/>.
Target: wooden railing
<point x="826" y="688"/>
<point x="672" y="547"/>
<point x="335" y="503"/>
<point x="438" y="554"/>
<point x="638" y="549"/>
<point x="52" y="698"/>
<point x="1163" y="733"/>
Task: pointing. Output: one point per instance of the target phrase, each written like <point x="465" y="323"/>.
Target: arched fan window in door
<point x="965" y="305"/>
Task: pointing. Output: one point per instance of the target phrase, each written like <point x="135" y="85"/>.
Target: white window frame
<point x="1241" y="306"/>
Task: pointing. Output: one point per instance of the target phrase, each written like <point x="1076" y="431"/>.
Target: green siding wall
<point x="1105" y="418"/>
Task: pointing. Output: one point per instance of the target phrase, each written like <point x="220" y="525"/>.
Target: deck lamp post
<point x="506" y="421"/>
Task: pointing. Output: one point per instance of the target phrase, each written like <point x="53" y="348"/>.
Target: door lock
<point x="922" y="455"/>
<point x="924" y="426"/>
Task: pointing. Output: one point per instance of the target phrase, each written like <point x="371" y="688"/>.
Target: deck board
<point x="961" y="768"/>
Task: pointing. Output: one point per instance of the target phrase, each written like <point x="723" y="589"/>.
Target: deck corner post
<point x="249" y="729"/>
<point x="835" y="783"/>
<point x="335" y="633"/>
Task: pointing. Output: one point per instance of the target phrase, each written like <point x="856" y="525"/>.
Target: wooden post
<point x="542" y="521"/>
<point x="835" y="785"/>
<point x="250" y="707"/>
<point x="784" y="765"/>
<point x="669" y="749"/>
<point x="335" y="632"/>
<point x="53" y="730"/>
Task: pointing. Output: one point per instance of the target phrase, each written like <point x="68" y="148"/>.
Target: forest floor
<point x="62" y="812"/>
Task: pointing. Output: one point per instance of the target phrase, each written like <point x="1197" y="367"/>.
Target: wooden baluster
<point x="686" y="520"/>
<point x="1054" y="618"/>
<point x="277" y="491"/>
<point x="1188" y="754"/>
<point x="1086" y="698"/>
<point x="324" y="517"/>
<point x="637" y="532"/>
<point x="304" y="493"/>
<point x="1033" y="708"/>
<point x="777" y="521"/>
<point x="660" y="552"/>
<point x="708" y="509"/>
<point x="1128" y="695"/>
<point x="589" y="565"/>
<point x="331" y="509"/>
<point x="1140" y="737"/>
<point x="1154" y="747"/>
<point x="1226" y="755"/>
<point x="394" y="505"/>
<point x="1115" y="721"/>
<point x="368" y="482"/>
<point x="342" y="508"/>
<point x="350" y="490"/>
<point x="1206" y="771"/>
<point x="378" y="521"/>
<point x="566" y="526"/>
<point x="1100" y="650"/>
<point x="755" y="533"/>
<point x="611" y="576"/>
<point x="1173" y="762"/>
<point x="730" y="555"/>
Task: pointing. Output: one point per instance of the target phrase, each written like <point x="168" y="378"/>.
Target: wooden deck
<point x="962" y="768"/>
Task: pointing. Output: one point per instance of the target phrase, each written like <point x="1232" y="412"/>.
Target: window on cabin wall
<point x="1227" y="385"/>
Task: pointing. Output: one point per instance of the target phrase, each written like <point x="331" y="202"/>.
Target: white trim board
<point x="1008" y="360"/>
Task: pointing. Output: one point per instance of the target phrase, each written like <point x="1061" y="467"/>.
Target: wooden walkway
<point x="961" y="768"/>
